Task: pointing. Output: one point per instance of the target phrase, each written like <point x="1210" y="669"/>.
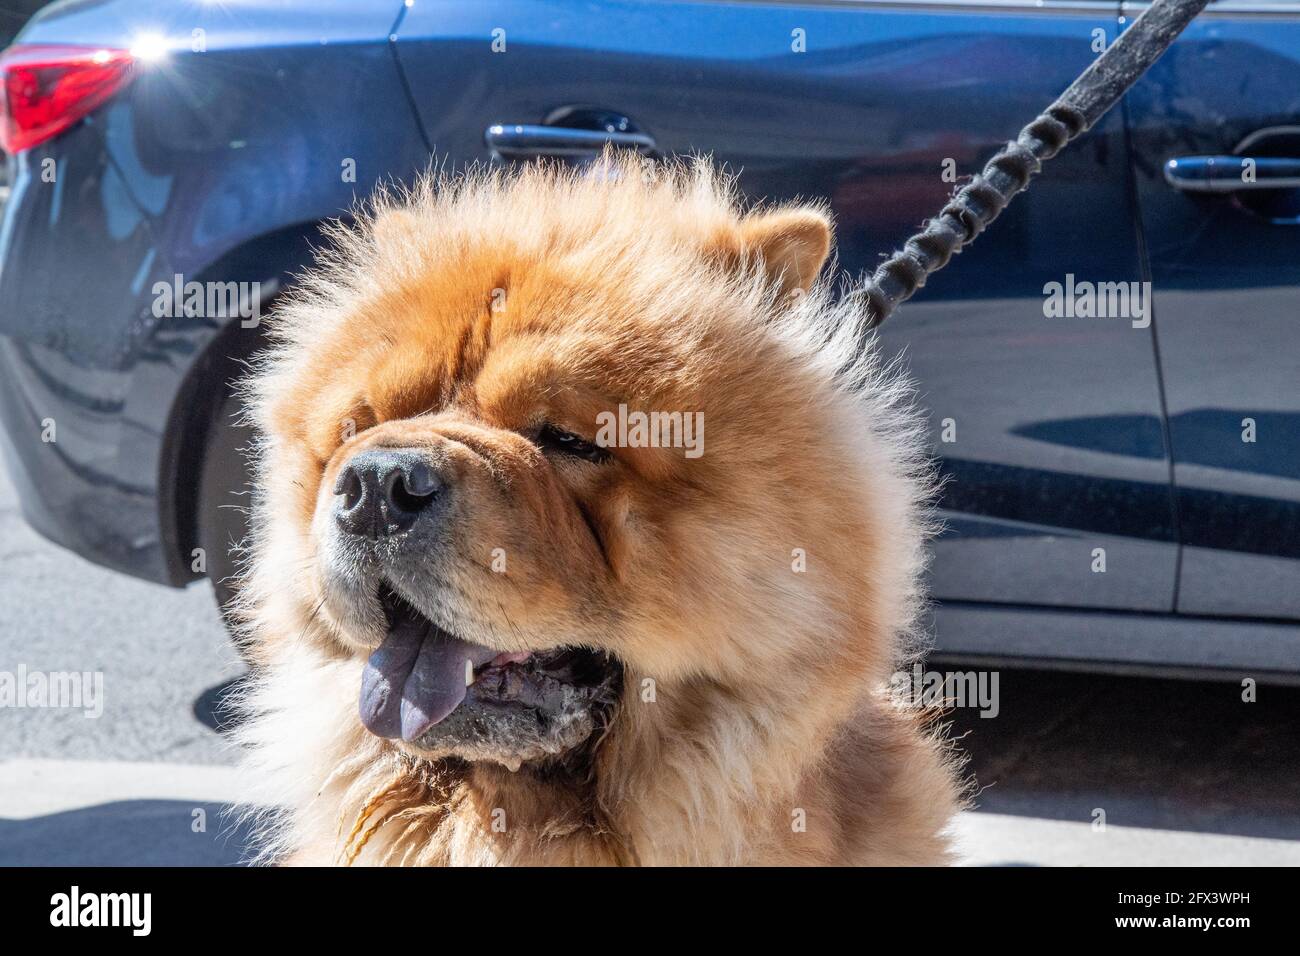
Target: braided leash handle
<point x="982" y="200"/>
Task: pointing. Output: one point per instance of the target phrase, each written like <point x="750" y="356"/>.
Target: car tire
<point x="225" y="495"/>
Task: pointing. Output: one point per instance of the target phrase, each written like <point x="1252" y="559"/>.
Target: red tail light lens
<point x="48" y="88"/>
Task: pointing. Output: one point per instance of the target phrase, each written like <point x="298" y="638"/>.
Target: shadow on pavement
<point x="1163" y="754"/>
<point x="215" y="709"/>
<point x="127" y="833"/>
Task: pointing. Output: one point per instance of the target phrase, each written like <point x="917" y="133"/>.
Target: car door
<point x="1216" y="139"/>
<point x="1050" y="427"/>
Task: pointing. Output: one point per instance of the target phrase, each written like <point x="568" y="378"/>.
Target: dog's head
<point x="551" y="457"/>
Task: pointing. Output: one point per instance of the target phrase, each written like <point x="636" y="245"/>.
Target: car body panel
<point x="1226" y="281"/>
<point x="866" y="118"/>
<point x="177" y="175"/>
<point x="220" y="160"/>
<point x="1123" y="642"/>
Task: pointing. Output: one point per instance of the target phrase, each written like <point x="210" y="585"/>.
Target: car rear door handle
<point x="527" y="141"/>
<point x="1230" y="174"/>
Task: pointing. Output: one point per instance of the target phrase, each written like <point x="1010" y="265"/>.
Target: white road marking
<point x="35" y="788"/>
<point x="991" y="839"/>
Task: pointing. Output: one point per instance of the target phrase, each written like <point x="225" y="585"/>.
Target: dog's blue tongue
<point x="415" y="678"/>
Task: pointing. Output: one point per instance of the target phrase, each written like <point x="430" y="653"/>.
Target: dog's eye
<point x="551" y="438"/>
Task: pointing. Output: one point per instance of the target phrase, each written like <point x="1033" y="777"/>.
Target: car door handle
<point x="528" y="141"/>
<point x="1230" y="174"/>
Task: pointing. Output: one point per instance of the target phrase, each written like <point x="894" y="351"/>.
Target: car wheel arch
<point x="201" y="404"/>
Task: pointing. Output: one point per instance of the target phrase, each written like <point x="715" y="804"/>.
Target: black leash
<point x="981" y="200"/>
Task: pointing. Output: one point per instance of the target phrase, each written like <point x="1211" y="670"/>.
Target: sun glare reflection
<point x="149" y="47"/>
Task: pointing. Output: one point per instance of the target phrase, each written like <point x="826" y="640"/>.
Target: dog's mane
<point x="714" y="785"/>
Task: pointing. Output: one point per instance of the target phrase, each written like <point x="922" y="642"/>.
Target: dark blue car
<point x="1113" y="371"/>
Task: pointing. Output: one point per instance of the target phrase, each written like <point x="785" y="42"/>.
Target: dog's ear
<point x="792" y="243"/>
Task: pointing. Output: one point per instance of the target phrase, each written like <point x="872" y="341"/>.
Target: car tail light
<point x="48" y="88"/>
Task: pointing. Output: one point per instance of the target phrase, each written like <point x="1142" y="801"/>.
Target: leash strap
<point x="982" y="200"/>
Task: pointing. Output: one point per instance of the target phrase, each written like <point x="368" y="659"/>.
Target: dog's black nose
<point x="382" y="491"/>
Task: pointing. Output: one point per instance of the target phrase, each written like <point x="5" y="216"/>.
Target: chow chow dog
<point x="588" y="529"/>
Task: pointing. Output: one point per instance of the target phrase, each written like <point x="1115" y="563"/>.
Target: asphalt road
<point x="1178" y="772"/>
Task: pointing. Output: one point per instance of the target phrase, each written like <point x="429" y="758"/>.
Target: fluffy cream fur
<point x="771" y="737"/>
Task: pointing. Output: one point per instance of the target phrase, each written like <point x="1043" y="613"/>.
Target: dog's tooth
<point x="469" y="672"/>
